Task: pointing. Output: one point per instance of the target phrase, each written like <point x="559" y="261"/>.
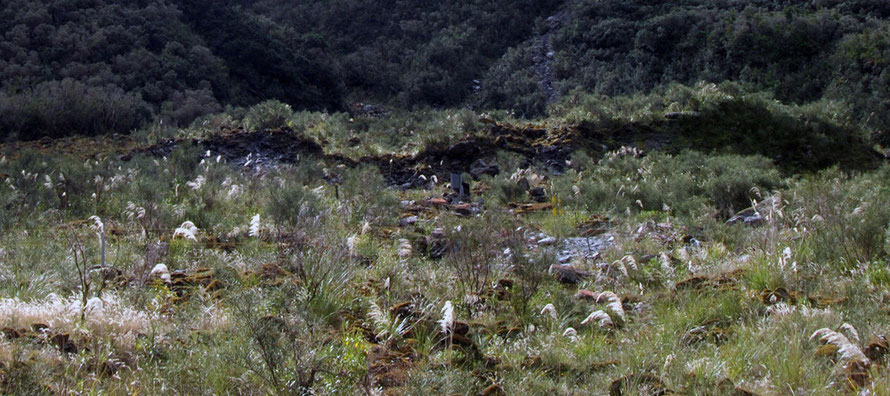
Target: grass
<point x="320" y="300"/>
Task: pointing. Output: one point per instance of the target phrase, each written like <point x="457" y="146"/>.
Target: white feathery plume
<point x="197" y="183"/>
<point x="366" y="227"/>
<point x="254" y="226"/>
<point x="109" y="317"/>
<point x="614" y="303"/>
<point x="625" y="263"/>
<point x="570" y="333"/>
<point x="667" y="361"/>
<point x="849" y="351"/>
<point x="187" y="230"/>
<point x="600" y="316"/>
<point x="381" y="321"/>
<point x="665" y="262"/>
<point x="49" y="182"/>
<point x="97" y="227"/>
<point x="160" y="271"/>
<point x="234" y="191"/>
<point x="550" y="310"/>
<point x="318" y="191"/>
<point x="851" y="332"/>
<point x="780" y="309"/>
<point x="447" y="321"/>
<point x="133" y="211"/>
<point x="351" y="243"/>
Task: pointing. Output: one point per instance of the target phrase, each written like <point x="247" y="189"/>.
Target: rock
<point x="460" y="328"/>
<point x="10" y="333"/>
<point x="405" y="309"/>
<point x="877" y="347"/>
<point x="748" y="216"/>
<point x="438" y="201"/>
<point x="408" y="221"/>
<point x="63" y="342"/>
<point x="436" y="243"/>
<point x="547" y="241"/>
<point x="493" y="390"/>
<point x="585" y="248"/>
<point x="479" y="168"/>
<point x="538" y="194"/>
<point x="639" y="384"/>
<point x="568" y="274"/>
<point x="465" y="209"/>
<point x="585" y="294"/>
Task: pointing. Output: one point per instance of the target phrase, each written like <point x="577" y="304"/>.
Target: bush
<point x="848" y="217"/>
<point x="683" y="183"/>
<point x="62" y="108"/>
<point x="270" y="114"/>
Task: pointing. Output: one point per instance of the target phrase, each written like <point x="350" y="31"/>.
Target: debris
<point x="517" y="208"/>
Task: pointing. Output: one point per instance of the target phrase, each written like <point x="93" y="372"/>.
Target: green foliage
<point x="681" y="184"/>
<point x="724" y="118"/>
<point x="270" y="114"/>
<point x="292" y="205"/>
<point x="849" y="219"/>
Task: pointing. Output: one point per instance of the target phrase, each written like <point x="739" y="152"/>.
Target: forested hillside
<point x="99" y="66"/>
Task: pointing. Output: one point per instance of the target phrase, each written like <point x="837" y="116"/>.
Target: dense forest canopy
<point x="99" y="66"/>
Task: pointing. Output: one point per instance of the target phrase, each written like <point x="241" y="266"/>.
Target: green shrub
<point x="270" y="114"/>
<point x="848" y="217"/>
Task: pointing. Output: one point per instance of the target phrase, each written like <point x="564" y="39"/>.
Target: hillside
<point x="703" y="240"/>
<point x="392" y="197"/>
<point x="94" y="67"/>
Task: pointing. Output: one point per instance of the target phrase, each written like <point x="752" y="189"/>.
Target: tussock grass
<point x="295" y="284"/>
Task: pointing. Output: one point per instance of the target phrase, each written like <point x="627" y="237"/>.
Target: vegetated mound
<point x="736" y="127"/>
<point x="741" y="128"/>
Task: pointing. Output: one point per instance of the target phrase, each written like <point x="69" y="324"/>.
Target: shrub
<point x="270" y="114"/>
<point x="848" y="217"/>
<point x="291" y="204"/>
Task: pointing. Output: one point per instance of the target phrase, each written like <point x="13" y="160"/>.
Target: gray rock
<point x="547" y="241"/>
